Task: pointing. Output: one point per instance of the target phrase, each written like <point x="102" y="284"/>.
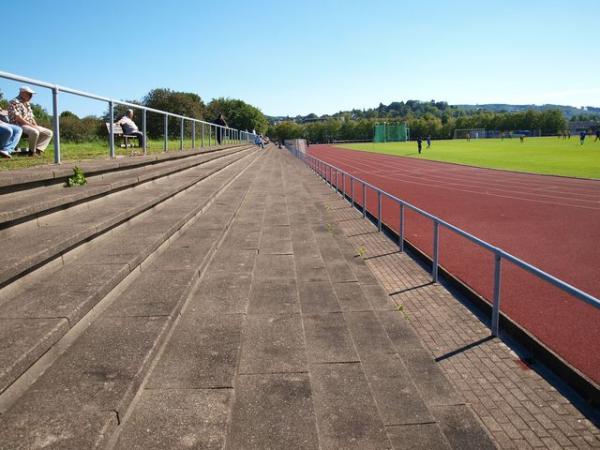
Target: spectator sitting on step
<point x="20" y="113"/>
<point x="129" y="127"/>
<point x="9" y="138"/>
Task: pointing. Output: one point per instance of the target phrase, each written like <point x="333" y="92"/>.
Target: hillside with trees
<point x="435" y="118"/>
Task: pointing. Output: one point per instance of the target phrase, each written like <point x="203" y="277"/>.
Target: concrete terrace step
<point x="11" y="180"/>
<point x="29" y="245"/>
<point x="257" y="327"/>
<point x="34" y="319"/>
<point x="81" y="400"/>
<point x="21" y="201"/>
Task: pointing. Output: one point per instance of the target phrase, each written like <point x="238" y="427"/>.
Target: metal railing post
<point x="166" y="145"/>
<point x="193" y="134"/>
<point x="379" y="210"/>
<point x="202" y="136"/>
<point x="352" y="190"/>
<point x="145" y="131"/>
<point x="111" y="134"/>
<point x="496" y="305"/>
<point x="401" y="230"/>
<point x="181" y="134"/>
<point x="56" y="125"/>
<point x="364" y="200"/>
<point x="436" y="242"/>
<point x="343" y="185"/>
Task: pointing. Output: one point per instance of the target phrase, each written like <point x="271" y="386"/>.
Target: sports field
<point x="545" y="155"/>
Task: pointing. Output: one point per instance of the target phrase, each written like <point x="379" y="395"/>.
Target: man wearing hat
<point x="20" y="113"/>
<point x="129" y="126"/>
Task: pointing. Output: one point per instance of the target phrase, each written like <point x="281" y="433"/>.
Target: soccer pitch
<point x="546" y="155"/>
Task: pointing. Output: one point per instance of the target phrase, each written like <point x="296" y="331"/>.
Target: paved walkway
<point x="288" y="341"/>
<point x="521" y="404"/>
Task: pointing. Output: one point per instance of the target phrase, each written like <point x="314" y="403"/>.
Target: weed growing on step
<point x="362" y="251"/>
<point x="330" y="227"/>
<point x="400" y="309"/>
<point x="78" y="178"/>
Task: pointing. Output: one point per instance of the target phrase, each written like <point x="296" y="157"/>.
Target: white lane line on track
<point x="447" y="187"/>
<point x="507" y="193"/>
<point x="486" y="175"/>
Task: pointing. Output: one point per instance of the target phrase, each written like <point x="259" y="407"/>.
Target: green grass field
<point x="92" y="150"/>
<point x="547" y="155"/>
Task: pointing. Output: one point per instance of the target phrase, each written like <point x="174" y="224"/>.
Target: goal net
<point x="469" y="133"/>
<point x="391" y="132"/>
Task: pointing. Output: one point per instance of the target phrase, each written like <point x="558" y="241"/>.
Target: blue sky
<point x="309" y="56"/>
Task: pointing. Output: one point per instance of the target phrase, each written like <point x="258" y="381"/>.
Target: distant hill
<point x="568" y="111"/>
<point x="418" y="108"/>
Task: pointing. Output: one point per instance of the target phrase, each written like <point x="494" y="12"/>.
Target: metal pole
<point x="379" y="210"/>
<point x="364" y="200"/>
<point x="202" y="137"/>
<point x="352" y="190"/>
<point x="193" y="134"/>
<point x="166" y="146"/>
<point x="145" y="130"/>
<point x="496" y="306"/>
<point x="181" y="134"/>
<point x="401" y="231"/>
<point x="111" y="137"/>
<point x="343" y="185"/>
<point x="56" y="125"/>
<point x="436" y="242"/>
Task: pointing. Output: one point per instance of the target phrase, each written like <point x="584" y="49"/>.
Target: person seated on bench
<point x="20" y="113"/>
<point x="9" y="138"/>
<point x="129" y="127"/>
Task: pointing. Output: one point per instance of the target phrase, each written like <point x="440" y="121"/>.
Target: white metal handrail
<point x="226" y="133"/>
<point x="322" y="168"/>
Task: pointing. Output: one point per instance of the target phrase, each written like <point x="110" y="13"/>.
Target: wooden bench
<point x="118" y="132"/>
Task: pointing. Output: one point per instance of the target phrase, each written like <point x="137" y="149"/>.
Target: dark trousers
<point x="219" y="135"/>
<point x="140" y="136"/>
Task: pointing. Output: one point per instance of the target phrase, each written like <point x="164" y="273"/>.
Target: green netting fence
<point x="391" y="132"/>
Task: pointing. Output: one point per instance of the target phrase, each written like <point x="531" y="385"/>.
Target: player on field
<point x="581" y="137"/>
<point x="597" y="135"/>
<point x="419" y="144"/>
<point x="428" y="141"/>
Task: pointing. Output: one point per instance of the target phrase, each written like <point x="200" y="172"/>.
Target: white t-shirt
<point x="128" y="125"/>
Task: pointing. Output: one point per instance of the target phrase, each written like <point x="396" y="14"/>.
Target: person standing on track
<point x="419" y="144"/>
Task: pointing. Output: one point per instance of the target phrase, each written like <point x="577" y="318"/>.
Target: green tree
<point x="183" y="103"/>
<point x="238" y="114"/>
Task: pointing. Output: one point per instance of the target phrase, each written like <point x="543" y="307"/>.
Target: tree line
<point x="238" y="114"/>
<point x="439" y="125"/>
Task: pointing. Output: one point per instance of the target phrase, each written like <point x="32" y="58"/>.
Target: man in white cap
<point x="20" y="113"/>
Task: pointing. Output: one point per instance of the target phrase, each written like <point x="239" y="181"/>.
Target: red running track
<point x="550" y="222"/>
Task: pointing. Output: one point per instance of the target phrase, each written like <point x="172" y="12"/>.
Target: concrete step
<point x="32" y="244"/>
<point x="23" y="201"/>
<point x="12" y="180"/>
<point x="37" y="317"/>
<point x="83" y="397"/>
<point x="255" y="328"/>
